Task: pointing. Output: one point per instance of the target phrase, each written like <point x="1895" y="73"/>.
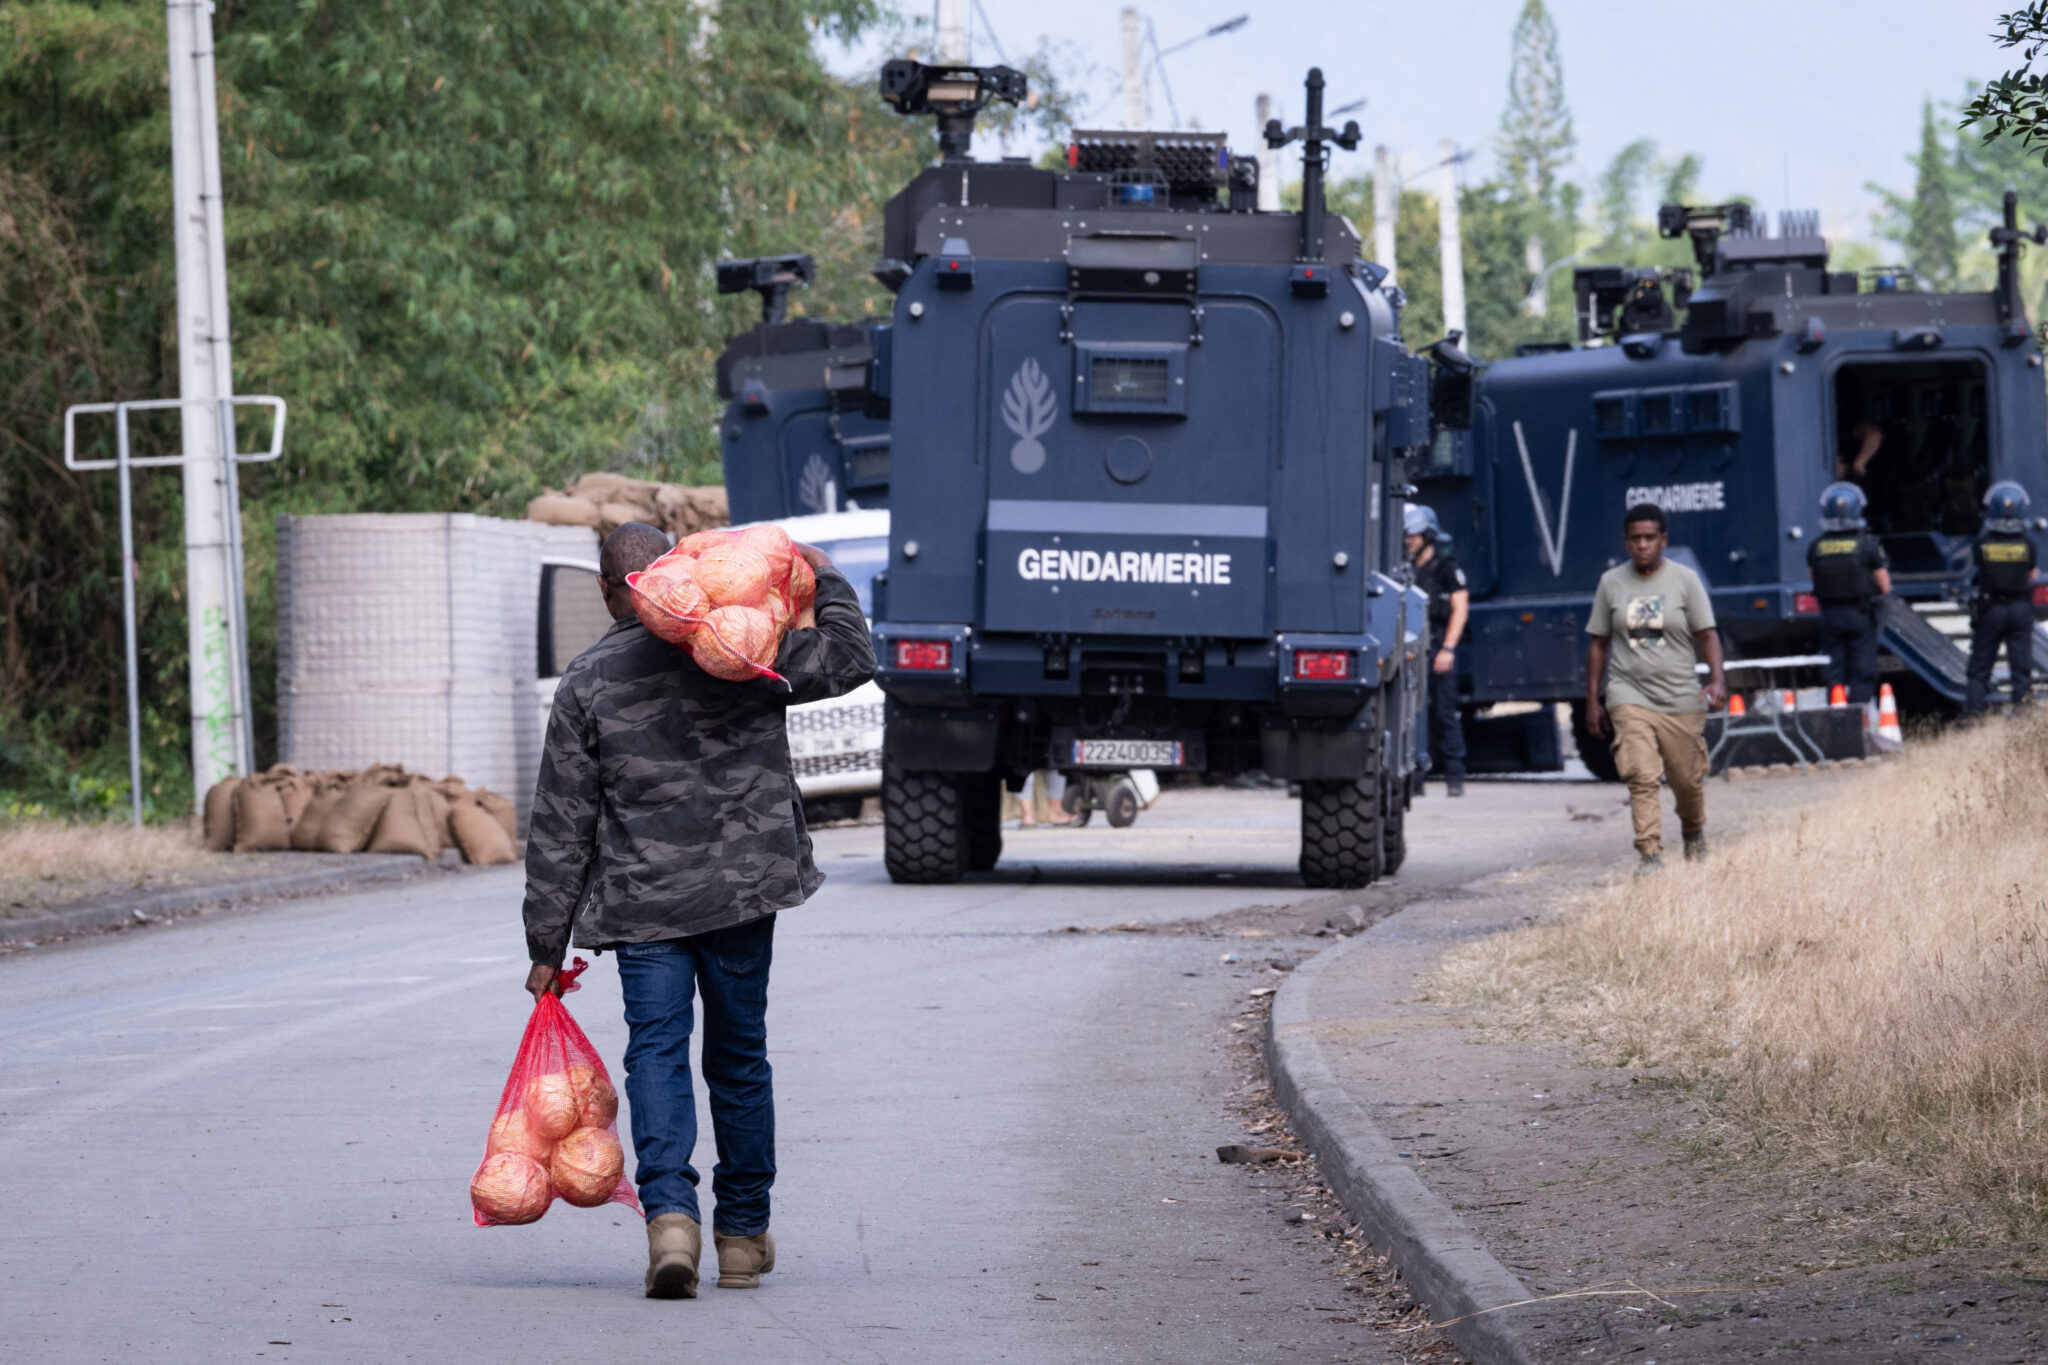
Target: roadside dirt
<point x="1649" y="1231"/>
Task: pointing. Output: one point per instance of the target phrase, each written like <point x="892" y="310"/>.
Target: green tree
<point x="2015" y="104"/>
<point x="1536" y="137"/>
<point x="1930" y="237"/>
<point x="470" y="243"/>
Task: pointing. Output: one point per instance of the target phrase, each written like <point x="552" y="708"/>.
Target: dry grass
<point x="40" y="859"/>
<point x="1866" y="983"/>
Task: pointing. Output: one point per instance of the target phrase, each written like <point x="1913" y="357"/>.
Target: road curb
<point x="150" y="907"/>
<point x="1444" y="1262"/>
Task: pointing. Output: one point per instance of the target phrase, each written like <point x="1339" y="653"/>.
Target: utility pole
<point x="949" y="25"/>
<point x="1269" y="164"/>
<point x="222" y="737"/>
<point x="1538" y="302"/>
<point x="1134" y="68"/>
<point x="1450" y="240"/>
<point x="1386" y="204"/>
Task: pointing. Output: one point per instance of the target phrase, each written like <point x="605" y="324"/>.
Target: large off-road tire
<point x="981" y="800"/>
<point x="1341" y="833"/>
<point x="924" y="827"/>
<point x="1393" y="828"/>
<point x="1595" y="751"/>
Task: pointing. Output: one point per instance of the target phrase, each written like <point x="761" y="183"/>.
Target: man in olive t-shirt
<point x="1648" y="616"/>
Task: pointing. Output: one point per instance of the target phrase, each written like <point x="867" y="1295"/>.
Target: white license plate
<point x="831" y="744"/>
<point x="1127" y="753"/>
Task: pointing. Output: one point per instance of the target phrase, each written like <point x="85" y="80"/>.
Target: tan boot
<point x="674" y="1245"/>
<point x="742" y="1261"/>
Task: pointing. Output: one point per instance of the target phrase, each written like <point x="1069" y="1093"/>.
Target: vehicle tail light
<point x="1322" y="665"/>
<point x="1805" y="604"/>
<point x="924" y="654"/>
<point x="2041" y="594"/>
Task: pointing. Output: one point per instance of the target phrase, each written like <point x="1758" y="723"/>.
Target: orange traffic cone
<point x="1889" y="735"/>
<point x="1838" y="695"/>
<point x="1735" y="706"/>
<point x="1791" y="700"/>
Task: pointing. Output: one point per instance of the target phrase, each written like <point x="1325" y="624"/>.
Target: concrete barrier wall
<point x="410" y="638"/>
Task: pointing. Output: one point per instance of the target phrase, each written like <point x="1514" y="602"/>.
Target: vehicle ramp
<point x="1924" y="647"/>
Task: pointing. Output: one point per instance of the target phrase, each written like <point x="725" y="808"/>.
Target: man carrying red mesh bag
<point x="667" y="827"/>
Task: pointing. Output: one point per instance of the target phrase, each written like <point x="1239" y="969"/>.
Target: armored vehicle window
<point x="1614" y="416"/>
<point x="1914" y="435"/>
<point x="1129" y="379"/>
<point x="1660" y="416"/>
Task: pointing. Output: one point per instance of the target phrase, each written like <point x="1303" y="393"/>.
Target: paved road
<point x="250" y="1135"/>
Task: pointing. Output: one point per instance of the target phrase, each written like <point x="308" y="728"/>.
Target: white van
<point x="835" y="747"/>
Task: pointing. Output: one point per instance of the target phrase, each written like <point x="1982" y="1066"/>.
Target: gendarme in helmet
<point x="1841" y="507"/>
<point x="1419" y="519"/>
<point x="2005" y="508"/>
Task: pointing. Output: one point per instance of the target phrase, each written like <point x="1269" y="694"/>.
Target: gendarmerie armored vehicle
<point x="1141" y="489"/>
<point x="806" y="427"/>
<point x="1783" y="376"/>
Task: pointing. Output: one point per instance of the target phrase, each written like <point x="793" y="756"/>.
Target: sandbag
<point x="218" y="821"/>
<point x="355" y="817"/>
<point x="260" y="825"/>
<point x="603" y="487"/>
<point x="296" y="792"/>
<point x="311" y="826"/>
<point x="438" y="808"/>
<point x="502" y="810"/>
<point x="483" y="841"/>
<point x="553" y="509"/>
<point x="612" y="515"/>
<point x="404" y="827"/>
<point x="685" y="511"/>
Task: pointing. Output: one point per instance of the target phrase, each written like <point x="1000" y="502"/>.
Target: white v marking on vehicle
<point x="1553" y="549"/>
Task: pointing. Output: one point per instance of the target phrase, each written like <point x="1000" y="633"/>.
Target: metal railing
<point x="238" y="607"/>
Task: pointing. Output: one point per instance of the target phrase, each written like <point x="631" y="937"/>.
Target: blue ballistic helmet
<point x="1418" y="519"/>
<point x="2005" y="507"/>
<point x="1841" y="507"/>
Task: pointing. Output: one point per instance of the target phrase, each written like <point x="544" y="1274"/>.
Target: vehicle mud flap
<point x="981" y="801"/>
<point x="1595" y="751"/>
<point x="924" y="827"/>
<point x="1342" y="830"/>
<point x="1393" y="825"/>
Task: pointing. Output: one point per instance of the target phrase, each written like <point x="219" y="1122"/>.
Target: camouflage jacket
<point x="666" y="805"/>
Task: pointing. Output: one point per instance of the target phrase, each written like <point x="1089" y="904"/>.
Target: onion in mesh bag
<point x="803" y="585"/>
<point x="597" y="1104"/>
<point x="773" y="544"/>
<point x="735" y="643"/>
<point x="586" y="1167"/>
<point x="734" y="575"/>
<point x="512" y="1133"/>
<point x="550" y="1105"/>
<point x="697" y="542"/>
<point x="510" y="1188"/>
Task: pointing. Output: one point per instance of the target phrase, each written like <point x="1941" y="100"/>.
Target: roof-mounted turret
<point x="952" y="94"/>
<point x="772" y="276"/>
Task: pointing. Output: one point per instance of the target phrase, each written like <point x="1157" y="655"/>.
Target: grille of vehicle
<point x="832" y="718"/>
<point x="824" y="765"/>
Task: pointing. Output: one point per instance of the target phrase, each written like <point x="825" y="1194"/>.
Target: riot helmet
<point x="2005" y="507"/>
<point x="1841" y="507"/>
<point x="1419" y="519"/>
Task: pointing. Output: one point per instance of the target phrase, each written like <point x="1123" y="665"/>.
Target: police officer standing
<point x="2002" y="607"/>
<point x="1438" y="575"/>
<point x="1850" y="573"/>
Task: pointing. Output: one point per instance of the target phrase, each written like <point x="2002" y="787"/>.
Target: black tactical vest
<point x="1841" y="572"/>
<point x="2005" y="564"/>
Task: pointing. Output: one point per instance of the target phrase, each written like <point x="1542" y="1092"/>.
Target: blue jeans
<point x="730" y="968"/>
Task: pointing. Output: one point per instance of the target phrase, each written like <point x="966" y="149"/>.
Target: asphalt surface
<point x="250" y="1136"/>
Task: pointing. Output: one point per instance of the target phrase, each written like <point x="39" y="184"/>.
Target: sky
<point x="1817" y="98"/>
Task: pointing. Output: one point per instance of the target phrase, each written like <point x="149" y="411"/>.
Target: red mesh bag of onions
<point x="728" y="597"/>
<point x="556" y="1133"/>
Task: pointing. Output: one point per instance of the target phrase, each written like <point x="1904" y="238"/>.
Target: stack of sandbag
<point x="606" y="502"/>
<point x="383" y="809"/>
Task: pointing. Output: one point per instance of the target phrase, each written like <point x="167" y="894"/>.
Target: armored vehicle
<point x="806" y="427"/>
<point x="1783" y="376"/>
<point x="1141" y="486"/>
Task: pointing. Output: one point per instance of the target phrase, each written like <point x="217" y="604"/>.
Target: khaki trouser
<point x="1651" y="744"/>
